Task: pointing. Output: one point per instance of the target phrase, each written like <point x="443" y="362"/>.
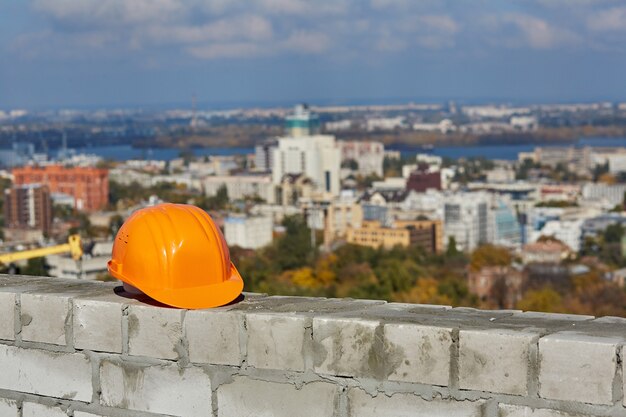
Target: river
<point x="506" y="152"/>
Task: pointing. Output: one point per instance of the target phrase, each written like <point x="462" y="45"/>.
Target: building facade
<point x="374" y="234"/>
<point x="241" y="186"/>
<point x="248" y="232"/>
<point x="368" y="155"/>
<point x="317" y="157"/>
<point x="88" y="186"/>
<point x="466" y="219"/>
<point x="27" y="211"/>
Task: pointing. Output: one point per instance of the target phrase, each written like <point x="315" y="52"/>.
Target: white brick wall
<point x="361" y="404"/>
<point x="98" y="325"/>
<point x="156" y="389"/>
<point x="246" y="397"/>
<point x="289" y="356"/>
<point x="343" y="345"/>
<point x="576" y="367"/>
<point x="8" y="408"/>
<point x="419" y="353"/>
<point x="43" y="318"/>
<point x="60" y="375"/>
<point x="518" y="411"/>
<point x="276" y="341"/>
<point x="7" y="313"/>
<point x="40" y="410"/>
<point x="495" y="360"/>
<point x="213" y="336"/>
<point x="154" y="331"/>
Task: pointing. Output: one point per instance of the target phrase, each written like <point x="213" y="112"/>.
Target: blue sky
<point x="73" y="53"/>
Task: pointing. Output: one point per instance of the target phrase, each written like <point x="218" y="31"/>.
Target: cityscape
<point x="365" y="201"/>
<point x="296" y="208"/>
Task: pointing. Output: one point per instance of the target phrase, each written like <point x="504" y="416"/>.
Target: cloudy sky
<point x="64" y="53"/>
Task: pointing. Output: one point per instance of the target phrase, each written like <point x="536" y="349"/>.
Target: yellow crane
<point x="73" y="246"/>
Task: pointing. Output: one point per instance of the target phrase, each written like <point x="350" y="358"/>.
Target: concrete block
<point x="44" y="317"/>
<point x="417" y="353"/>
<point x="8" y="408"/>
<point x="505" y="410"/>
<point x="361" y="404"/>
<point x="40" y="410"/>
<point x="343" y="346"/>
<point x="246" y="397"/>
<point x="53" y="374"/>
<point x="495" y="360"/>
<point x="276" y="341"/>
<point x="157" y="389"/>
<point x="575" y="367"/>
<point x="154" y="331"/>
<point x="98" y="325"/>
<point x="213" y="336"/>
<point x="7" y="316"/>
<point x="83" y="414"/>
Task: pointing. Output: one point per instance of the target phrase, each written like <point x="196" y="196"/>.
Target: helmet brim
<point x="206" y="296"/>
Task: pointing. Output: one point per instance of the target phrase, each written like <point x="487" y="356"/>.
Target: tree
<point x="490" y="255"/>
<point x="545" y="299"/>
<point x="115" y="222"/>
<point x="452" y="249"/>
<point x="35" y="267"/>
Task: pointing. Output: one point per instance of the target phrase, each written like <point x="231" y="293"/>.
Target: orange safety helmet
<point x="175" y="254"/>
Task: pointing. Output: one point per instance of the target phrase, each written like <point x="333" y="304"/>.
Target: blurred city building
<point x="88" y="186"/>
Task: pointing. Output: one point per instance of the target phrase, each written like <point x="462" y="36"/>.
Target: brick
<point x="343" y="346"/>
<point x="213" y="336"/>
<point x="154" y="331"/>
<point x="361" y="404"/>
<point x="156" y="389"/>
<point x="7" y="316"/>
<point x="276" y="341"/>
<point x="519" y="411"/>
<point x="30" y="371"/>
<point x="98" y="325"/>
<point x="249" y="397"/>
<point x="8" y="408"/>
<point x="420" y="354"/>
<point x="495" y="360"/>
<point x="43" y="318"/>
<point x="576" y="367"/>
<point x="40" y="410"/>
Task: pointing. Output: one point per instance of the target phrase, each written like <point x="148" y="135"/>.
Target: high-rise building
<point x="263" y="155"/>
<point x="302" y="122"/>
<point x="88" y="186"/>
<point x="318" y="157"/>
<point x="27" y="212"/>
<point x="466" y="219"/>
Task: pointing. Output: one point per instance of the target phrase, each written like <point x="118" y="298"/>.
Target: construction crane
<point x="73" y="246"/>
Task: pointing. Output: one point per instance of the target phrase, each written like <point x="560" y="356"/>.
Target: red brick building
<point x="421" y="180"/>
<point x="88" y="186"/>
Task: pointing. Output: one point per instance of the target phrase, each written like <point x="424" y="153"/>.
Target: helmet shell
<point x="175" y="254"/>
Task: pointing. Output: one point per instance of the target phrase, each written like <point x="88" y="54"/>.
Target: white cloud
<point x="307" y="42"/>
<point x="304" y="7"/>
<point x="227" y="50"/>
<point x="110" y="11"/>
<point x="253" y="28"/>
<point x="613" y="19"/>
<point x="540" y="34"/>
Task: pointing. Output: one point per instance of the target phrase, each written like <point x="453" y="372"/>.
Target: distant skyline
<point x="120" y="53"/>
